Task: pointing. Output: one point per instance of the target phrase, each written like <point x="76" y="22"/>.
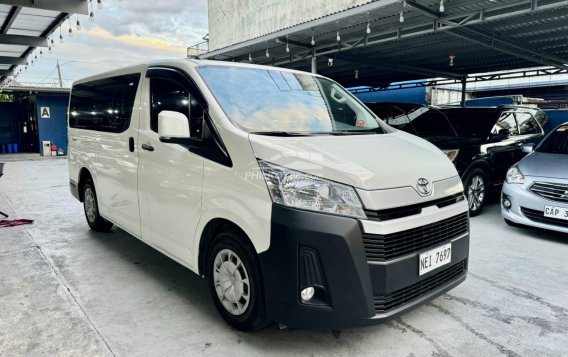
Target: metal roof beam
<point x="22" y="40"/>
<point x="493" y="41"/>
<point x="69" y="6"/>
<point x="396" y="66"/>
<point x="395" y="31"/>
<point x="10" y="19"/>
<point x="12" y="60"/>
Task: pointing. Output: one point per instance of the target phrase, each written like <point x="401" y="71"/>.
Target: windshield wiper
<point x="280" y="133"/>
<point x="377" y="130"/>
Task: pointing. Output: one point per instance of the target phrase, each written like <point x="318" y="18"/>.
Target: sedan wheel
<point x="475" y="191"/>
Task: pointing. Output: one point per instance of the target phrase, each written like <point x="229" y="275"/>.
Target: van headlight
<point x="514" y="175"/>
<point x="299" y="190"/>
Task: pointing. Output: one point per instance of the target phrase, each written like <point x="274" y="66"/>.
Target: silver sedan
<point x="535" y="192"/>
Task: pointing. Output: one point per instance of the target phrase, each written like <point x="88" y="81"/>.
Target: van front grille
<point x="385" y="303"/>
<point x="405" y="211"/>
<point x="551" y="191"/>
<point x="538" y="216"/>
<point x="394" y="245"/>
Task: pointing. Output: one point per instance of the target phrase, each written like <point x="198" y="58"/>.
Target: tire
<point x="240" y="305"/>
<point x="475" y="185"/>
<point x="91" y="208"/>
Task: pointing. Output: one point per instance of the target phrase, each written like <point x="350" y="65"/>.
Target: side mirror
<point x="528" y="148"/>
<point x="173" y="127"/>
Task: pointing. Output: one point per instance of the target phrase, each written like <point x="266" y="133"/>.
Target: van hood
<point x="368" y="162"/>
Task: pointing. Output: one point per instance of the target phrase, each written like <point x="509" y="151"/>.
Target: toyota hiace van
<point x="294" y="201"/>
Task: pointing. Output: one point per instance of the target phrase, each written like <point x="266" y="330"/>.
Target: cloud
<point x="124" y="33"/>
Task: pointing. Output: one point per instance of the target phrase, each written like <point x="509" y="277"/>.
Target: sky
<point x="124" y="32"/>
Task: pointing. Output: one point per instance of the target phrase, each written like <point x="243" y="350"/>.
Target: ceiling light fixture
<point x="442" y="8"/>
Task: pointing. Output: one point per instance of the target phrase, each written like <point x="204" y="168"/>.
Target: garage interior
<point x="26" y="33"/>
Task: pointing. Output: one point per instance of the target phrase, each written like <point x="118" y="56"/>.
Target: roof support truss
<point x="459" y="25"/>
<point x="491" y="40"/>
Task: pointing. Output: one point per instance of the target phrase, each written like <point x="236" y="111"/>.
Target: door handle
<point x="147" y="147"/>
<point x="131" y="144"/>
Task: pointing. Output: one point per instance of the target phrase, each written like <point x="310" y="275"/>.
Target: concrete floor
<point x="65" y="290"/>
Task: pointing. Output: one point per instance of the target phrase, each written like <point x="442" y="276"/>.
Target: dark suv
<point x="482" y="142"/>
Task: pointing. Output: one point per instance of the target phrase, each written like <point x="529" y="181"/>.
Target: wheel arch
<point x="478" y="164"/>
<point x="84" y="174"/>
<point x="207" y="238"/>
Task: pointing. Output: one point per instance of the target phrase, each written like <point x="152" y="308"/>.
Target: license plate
<point x="556" y="212"/>
<point x="434" y="258"/>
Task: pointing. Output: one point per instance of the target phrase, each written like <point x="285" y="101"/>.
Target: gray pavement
<point x="65" y="290"/>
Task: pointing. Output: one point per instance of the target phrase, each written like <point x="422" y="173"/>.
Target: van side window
<point x="170" y="95"/>
<point x="105" y="104"/>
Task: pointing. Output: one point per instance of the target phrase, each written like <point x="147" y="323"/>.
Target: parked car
<point x="536" y="189"/>
<point x="482" y="142"/>
<point x="265" y="182"/>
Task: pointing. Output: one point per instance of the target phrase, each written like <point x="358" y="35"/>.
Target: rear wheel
<point x="91" y="207"/>
<point x="475" y="190"/>
<point x="235" y="283"/>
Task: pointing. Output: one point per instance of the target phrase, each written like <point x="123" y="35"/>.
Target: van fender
<point x="252" y="218"/>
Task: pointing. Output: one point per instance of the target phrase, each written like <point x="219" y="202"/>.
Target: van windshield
<point x="277" y="102"/>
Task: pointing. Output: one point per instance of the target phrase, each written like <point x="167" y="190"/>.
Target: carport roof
<point x="484" y="35"/>
<point x="27" y="24"/>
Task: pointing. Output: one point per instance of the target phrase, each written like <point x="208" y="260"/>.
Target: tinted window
<point x="461" y="122"/>
<point x="261" y="100"/>
<point x="506" y="121"/>
<point x="557" y="142"/>
<point x="172" y="96"/>
<point x="105" y="104"/>
<point x="527" y="124"/>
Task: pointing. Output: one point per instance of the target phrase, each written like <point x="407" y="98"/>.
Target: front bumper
<point x="521" y="198"/>
<point x="356" y="292"/>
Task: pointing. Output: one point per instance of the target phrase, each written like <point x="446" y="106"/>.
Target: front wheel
<point x="475" y="190"/>
<point x="235" y="283"/>
<point x="91" y="207"/>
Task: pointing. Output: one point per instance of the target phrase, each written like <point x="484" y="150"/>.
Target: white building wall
<point x="235" y="21"/>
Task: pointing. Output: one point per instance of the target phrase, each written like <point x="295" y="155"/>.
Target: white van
<point x="293" y="200"/>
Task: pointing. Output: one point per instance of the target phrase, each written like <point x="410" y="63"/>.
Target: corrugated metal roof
<point x="526" y="34"/>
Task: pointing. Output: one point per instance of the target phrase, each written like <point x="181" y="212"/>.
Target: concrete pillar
<point x="314" y="63"/>
<point x="464" y="85"/>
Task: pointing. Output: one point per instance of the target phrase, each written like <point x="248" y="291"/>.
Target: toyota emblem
<point x="424" y="187"/>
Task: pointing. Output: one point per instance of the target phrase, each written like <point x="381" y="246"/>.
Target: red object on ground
<point x="14" y="222"/>
<point x="53" y="147"/>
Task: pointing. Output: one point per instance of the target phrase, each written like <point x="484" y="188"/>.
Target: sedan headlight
<point x="296" y="189"/>
<point x="452" y="154"/>
<point x="514" y="175"/>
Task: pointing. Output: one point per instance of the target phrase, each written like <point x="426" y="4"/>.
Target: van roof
<point x="181" y="63"/>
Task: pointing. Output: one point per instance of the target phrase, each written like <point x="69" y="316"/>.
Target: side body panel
<point x="112" y="165"/>
<point x="170" y="181"/>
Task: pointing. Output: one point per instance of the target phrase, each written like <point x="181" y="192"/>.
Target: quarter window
<point x="105" y="104"/>
<point x="527" y="124"/>
<point x="506" y="121"/>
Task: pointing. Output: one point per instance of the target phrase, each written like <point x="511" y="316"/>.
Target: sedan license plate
<point x="434" y="258"/>
<point x="556" y="212"/>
